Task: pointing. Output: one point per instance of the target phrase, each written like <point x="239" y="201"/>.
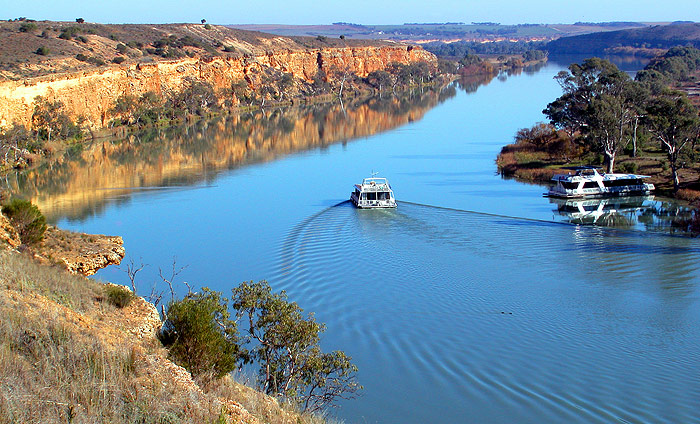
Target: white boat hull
<point x="644" y="190"/>
<point x="372" y="204"/>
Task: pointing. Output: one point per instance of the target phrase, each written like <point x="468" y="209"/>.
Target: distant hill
<point x="443" y="32"/>
<point x="637" y="40"/>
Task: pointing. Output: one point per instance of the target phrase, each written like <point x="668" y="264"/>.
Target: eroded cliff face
<point x="91" y="94"/>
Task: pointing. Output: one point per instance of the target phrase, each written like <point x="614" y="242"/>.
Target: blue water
<point x="465" y="304"/>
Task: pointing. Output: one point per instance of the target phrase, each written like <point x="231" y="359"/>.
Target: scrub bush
<point x="629" y="167"/>
<point x="27" y="219"/>
<point x="200" y="336"/>
<point x="119" y="296"/>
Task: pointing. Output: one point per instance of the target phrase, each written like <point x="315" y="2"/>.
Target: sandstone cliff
<point x="91" y="93"/>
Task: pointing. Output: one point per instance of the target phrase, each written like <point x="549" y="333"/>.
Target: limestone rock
<point x="80" y="253"/>
<point x="9" y="239"/>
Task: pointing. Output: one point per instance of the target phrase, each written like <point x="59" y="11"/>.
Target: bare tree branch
<point x="174" y="273"/>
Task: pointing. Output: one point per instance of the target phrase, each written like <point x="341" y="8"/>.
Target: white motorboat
<point x="373" y="193"/>
<point x="586" y="181"/>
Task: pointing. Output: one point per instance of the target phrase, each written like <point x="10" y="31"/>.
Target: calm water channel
<point x="473" y="301"/>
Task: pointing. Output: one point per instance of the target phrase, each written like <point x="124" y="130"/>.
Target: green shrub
<point x="629" y="167"/>
<point x="118" y="59"/>
<point x="27" y="27"/>
<point x="27" y="219"/>
<point x="207" y="26"/>
<point x="119" y="296"/>
<point x="43" y="51"/>
<point x="121" y="48"/>
<point x="81" y="57"/>
<point x="69" y="32"/>
<point x="96" y="61"/>
<point x="200" y="336"/>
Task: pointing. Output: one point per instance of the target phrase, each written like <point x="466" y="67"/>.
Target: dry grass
<point x="67" y="355"/>
<point x="688" y="195"/>
<point x="524" y="162"/>
<point x="266" y="408"/>
<point x="51" y="374"/>
<point x="60" y="365"/>
<point x="19" y="273"/>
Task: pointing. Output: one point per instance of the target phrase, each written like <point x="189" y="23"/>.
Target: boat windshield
<point x="374" y="181"/>
<point x="587" y="172"/>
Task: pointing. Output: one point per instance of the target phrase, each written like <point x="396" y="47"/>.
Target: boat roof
<point x="583" y="176"/>
<point x="376" y="180"/>
<point x="374" y="184"/>
<point x="580" y="167"/>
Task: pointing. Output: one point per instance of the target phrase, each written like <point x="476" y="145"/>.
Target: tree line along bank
<point x="604" y="113"/>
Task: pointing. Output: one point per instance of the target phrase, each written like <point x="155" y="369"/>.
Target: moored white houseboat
<point x="586" y="181"/>
<point x="373" y="192"/>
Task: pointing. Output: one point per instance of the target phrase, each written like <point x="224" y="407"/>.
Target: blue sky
<point x="357" y="11"/>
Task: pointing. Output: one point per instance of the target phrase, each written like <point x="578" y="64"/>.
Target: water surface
<point x="476" y="300"/>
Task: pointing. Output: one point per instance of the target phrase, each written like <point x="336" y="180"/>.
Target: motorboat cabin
<point x="586" y="181"/>
<point x="373" y="193"/>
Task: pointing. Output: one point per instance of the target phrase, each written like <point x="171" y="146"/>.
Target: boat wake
<point x="500" y="313"/>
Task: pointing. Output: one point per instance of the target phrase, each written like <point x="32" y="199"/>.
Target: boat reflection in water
<point x="648" y="213"/>
<point x="607" y="212"/>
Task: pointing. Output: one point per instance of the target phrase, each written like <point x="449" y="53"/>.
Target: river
<point x="474" y="301"/>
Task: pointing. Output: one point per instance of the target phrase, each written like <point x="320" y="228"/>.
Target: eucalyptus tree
<point x="674" y="122"/>
<point x="286" y="346"/>
<point x="598" y="106"/>
<point x="379" y="79"/>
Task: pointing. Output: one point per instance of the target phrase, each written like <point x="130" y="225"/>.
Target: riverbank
<point x="538" y="163"/>
<point x="74" y="348"/>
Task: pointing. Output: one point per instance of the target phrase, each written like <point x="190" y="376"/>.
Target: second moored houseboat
<point x="586" y="181"/>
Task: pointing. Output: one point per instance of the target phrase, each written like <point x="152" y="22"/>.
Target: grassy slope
<point x="68" y="355"/>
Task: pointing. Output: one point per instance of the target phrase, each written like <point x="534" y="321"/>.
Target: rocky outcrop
<point x="91" y="94"/>
<point x="80" y="253"/>
<point x="9" y="238"/>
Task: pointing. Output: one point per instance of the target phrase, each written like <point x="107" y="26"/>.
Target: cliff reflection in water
<point x="83" y="181"/>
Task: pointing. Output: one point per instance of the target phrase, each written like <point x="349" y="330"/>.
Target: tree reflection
<point x="80" y="183"/>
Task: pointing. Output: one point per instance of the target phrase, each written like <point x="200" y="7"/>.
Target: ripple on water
<point x="501" y="317"/>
